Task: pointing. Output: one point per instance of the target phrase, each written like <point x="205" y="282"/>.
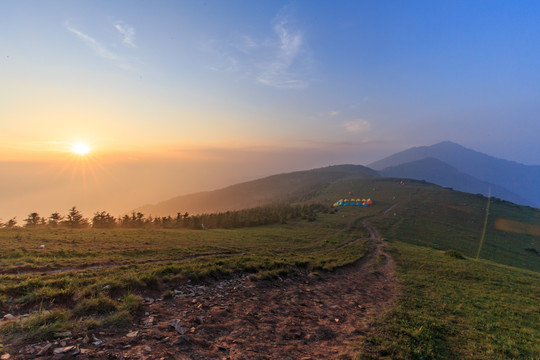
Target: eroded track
<point x="310" y="316"/>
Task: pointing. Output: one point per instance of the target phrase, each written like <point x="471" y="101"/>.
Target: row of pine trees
<point x="265" y="215"/>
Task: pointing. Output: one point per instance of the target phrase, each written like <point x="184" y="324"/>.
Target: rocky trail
<point x="310" y="316"/>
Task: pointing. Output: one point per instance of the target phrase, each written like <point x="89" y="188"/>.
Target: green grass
<point x="128" y="263"/>
<point x="451" y="308"/>
<point x="99" y="305"/>
<point x="432" y="216"/>
<point x="40" y="325"/>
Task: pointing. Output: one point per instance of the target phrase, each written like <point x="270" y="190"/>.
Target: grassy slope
<point x="449" y="309"/>
<point x="273" y="189"/>
<point x="77" y="247"/>
<point x="429" y="215"/>
<point x="457" y="309"/>
<point x="153" y="262"/>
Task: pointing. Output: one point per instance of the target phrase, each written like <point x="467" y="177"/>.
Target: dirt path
<point x="301" y="317"/>
<point x="390" y="209"/>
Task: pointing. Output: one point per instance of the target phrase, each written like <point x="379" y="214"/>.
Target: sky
<point x="175" y="97"/>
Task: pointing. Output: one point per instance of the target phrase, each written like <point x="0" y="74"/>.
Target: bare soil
<point x="309" y="316"/>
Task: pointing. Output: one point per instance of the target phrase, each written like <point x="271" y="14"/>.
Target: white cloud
<point x="226" y="61"/>
<point x="127" y="32"/>
<point x="276" y="75"/>
<point x="99" y="49"/>
<point x="291" y="41"/>
<point x="280" y="61"/>
<point x="288" y="52"/>
<point x="357" y="125"/>
<point x="246" y="44"/>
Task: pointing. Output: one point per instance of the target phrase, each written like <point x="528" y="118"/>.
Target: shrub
<point x="131" y="303"/>
<point x="167" y="295"/>
<point x="100" y="305"/>
<point x="120" y="318"/>
<point x="454" y="254"/>
<point x="39" y="326"/>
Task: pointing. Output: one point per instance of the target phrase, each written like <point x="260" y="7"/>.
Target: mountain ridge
<point x="438" y="172"/>
<point x="271" y="189"/>
<point x="445" y="164"/>
<point x="517" y="178"/>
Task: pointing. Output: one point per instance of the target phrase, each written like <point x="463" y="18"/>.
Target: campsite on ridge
<point x="268" y="180"/>
<point x="245" y="291"/>
<point x="464" y="170"/>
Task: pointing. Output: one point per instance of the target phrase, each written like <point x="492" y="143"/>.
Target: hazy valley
<point x="271" y="269"/>
<point x="268" y="180"/>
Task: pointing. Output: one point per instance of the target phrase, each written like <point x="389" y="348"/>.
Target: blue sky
<point x="311" y="83"/>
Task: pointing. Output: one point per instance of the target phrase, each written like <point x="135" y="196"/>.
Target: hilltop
<point x="322" y="286"/>
<point x="440" y="173"/>
<point x="429" y="214"/>
<point x="446" y="164"/>
<point x="449" y="215"/>
<point x="279" y="188"/>
<point x="511" y="177"/>
<point x="441" y="218"/>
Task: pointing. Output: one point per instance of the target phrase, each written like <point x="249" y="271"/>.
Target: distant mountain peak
<point x="272" y="189"/>
<point x="447" y="142"/>
<point x="519" y="179"/>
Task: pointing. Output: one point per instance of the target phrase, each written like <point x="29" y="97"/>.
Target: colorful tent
<point x="353" y="202"/>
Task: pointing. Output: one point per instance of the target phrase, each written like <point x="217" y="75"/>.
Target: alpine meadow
<point x="182" y="180"/>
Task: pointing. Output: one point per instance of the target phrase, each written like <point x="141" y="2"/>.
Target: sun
<point x="80" y="148"/>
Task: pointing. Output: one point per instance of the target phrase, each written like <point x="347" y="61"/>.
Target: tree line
<point x="264" y="215"/>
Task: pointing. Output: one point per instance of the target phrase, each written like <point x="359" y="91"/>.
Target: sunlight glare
<point x="80" y="148"/>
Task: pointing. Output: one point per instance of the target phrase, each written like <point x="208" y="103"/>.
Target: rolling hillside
<point x="450" y="305"/>
<point x="520" y="179"/>
<point x="425" y="214"/>
<point x="440" y="173"/>
<point x="420" y="213"/>
<point x="273" y="189"/>
<point x="446" y="164"/>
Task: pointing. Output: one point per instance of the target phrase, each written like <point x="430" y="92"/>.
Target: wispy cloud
<point x="246" y="44"/>
<point x="226" y="63"/>
<point x="280" y="71"/>
<point x="357" y="125"/>
<point x="98" y="48"/>
<point x="102" y="51"/>
<point x="281" y="60"/>
<point x="127" y="32"/>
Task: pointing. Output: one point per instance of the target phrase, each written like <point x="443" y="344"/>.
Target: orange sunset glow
<point x="284" y="179"/>
<point x="179" y="99"/>
<point x="80" y="148"/>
